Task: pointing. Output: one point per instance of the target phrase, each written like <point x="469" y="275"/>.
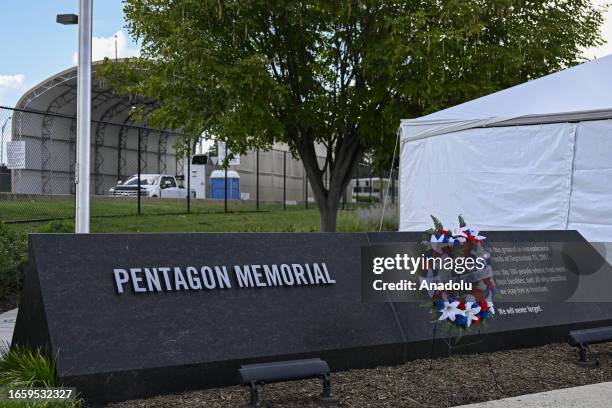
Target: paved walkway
<point x="587" y="396"/>
<point x="7" y="323"/>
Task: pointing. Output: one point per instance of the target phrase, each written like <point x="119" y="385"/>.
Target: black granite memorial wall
<point x="132" y="315"/>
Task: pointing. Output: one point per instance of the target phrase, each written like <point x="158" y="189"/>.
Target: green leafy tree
<point x="337" y="74"/>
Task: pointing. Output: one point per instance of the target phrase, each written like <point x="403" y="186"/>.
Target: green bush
<point x="13" y="255"/>
<point x="369" y="218"/>
<point x="20" y="368"/>
<point x="58" y="226"/>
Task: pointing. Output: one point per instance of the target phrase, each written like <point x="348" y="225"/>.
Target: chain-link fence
<point x="37" y="166"/>
<point x="137" y="170"/>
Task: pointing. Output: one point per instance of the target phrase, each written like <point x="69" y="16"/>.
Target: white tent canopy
<point x="534" y="156"/>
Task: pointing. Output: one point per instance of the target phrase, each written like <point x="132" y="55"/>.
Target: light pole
<point x="2" y="140"/>
<point x="84" y="20"/>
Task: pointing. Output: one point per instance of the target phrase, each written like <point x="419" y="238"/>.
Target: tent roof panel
<point x="582" y="92"/>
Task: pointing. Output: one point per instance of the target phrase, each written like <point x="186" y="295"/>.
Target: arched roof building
<point x="45" y="119"/>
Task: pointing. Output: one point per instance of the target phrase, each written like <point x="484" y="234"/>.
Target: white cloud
<point x="105" y="47"/>
<point x="11" y="81"/>
<point x="11" y="88"/>
<point x="606" y="33"/>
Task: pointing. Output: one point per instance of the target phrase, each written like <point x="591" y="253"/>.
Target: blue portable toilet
<point x="217" y="185"/>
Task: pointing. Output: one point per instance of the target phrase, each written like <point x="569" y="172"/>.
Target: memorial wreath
<point x="458" y="255"/>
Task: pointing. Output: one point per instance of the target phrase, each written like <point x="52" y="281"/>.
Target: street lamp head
<point x="67" y="19"/>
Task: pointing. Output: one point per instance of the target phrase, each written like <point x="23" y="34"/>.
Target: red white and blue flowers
<point x="463" y="309"/>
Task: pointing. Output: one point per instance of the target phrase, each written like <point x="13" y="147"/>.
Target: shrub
<point x="369" y="218"/>
<point x="13" y="255"/>
<point x="21" y="367"/>
<point x="58" y="226"/>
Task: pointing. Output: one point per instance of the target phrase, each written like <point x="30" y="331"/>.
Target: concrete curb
<point x="586" y="396"/>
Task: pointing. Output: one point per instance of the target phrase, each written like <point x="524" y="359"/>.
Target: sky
<point x="34" y="46"/>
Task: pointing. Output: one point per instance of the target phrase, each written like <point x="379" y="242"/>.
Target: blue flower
<point x="439" y="305"/>
<point x="461" y="320"/>
<point x="484" y="315"/>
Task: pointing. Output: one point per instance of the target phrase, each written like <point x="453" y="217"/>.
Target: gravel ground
<point x="451" y="381"/>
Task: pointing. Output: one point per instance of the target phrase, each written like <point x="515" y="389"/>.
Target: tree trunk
<point x="328" y="199"/>
<point x="329" y="217"/>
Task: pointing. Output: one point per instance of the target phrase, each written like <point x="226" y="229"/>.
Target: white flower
<point x="436" y="238"/>
<point x="437" y="242"/>
<point x="490" y="306"/>
<point x="462" y="231"/>
<point x="460" y="234"/>
<point x="471" y="313"/>
<point x="451" y="310"/>
<point x="477" y="235"/>
<point x="440" y="239"/>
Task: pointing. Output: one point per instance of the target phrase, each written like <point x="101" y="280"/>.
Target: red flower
<point x="461" y="305"/>
<point x="477" y="320"/>
<point x="444" y="232"/>
<point x="478" y="294"/>
<point x="483" y="306"/>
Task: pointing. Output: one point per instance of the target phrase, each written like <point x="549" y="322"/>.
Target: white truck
<point x="151" y="185"/>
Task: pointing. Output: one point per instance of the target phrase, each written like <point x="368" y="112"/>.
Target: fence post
<point x="284" y="180"/>
<point x="225" y="166"/>
<point x="139" y="143"/>
<point x="392" y="188"/>
<point x="188" y="176"/>
<point x="257" y="179"/>
<point x="356" y="188"/>
<point x="371" y="187"/>
<point x="305" y="189"/>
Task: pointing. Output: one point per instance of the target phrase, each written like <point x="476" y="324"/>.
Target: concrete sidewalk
<point x="587" y="396"/>
<point x="7" y="324"/>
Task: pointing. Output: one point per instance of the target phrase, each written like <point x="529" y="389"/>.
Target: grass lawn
<point x="37" y="208"/>
<point x="119" y="215"/>
<point x="271" y="220"/>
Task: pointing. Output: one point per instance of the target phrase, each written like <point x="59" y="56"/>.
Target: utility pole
<point x="225" y="166"/>
<point x="83" y="117"/>
<point x="81" y="179"/>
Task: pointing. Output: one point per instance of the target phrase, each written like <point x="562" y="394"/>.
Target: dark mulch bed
<point x="451" y="381"/>
<point x="9" y="301"/>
